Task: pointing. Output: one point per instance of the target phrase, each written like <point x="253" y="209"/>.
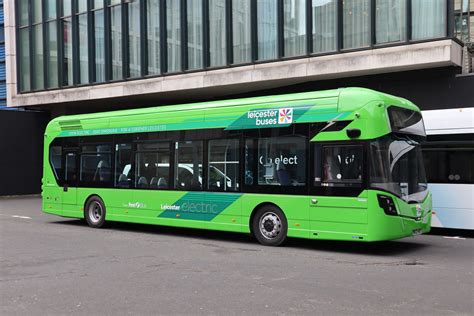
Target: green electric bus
<point x="340" y="164"/>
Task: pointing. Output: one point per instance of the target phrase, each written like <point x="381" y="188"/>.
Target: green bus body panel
<point x="338" y="218"/>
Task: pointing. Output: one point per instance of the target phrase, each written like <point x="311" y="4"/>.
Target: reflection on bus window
<point x="282" y="161"/>
<point x="223" y="165"/>
<point x="152" y="165"/>
<point x="188" y="167"/>
<point x="342" y="165"/>
<point x="95" y="163"/>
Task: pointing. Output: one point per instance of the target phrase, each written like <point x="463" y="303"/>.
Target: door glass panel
<point x="188" y="168"/>
<point x="223" y="165"/>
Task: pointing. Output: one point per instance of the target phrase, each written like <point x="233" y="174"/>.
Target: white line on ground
<point x="19" y="216"/>
<point x="454" y="237"/>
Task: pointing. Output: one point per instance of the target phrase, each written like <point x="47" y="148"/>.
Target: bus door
<point x="69" y="196"/>
<point x="338" y="201"/>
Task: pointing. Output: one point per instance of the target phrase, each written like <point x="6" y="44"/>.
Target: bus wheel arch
<point x="272" y="217"/>
<point x="94" y="211"/>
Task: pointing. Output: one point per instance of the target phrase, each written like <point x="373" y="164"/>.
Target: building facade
<point x="74" y="56"/>
<point x="3" y="82"/>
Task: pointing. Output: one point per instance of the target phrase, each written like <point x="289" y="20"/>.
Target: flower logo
<point x="285" y="116"/>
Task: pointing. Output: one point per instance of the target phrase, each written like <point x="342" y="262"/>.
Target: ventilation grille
<point x="70" y="125"/>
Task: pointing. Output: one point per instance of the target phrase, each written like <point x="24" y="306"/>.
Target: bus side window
<point x="123" y="163"/>
<point x="342" y="165"/>
<point x="55" y="156"/>
<point x="188" y="166"/>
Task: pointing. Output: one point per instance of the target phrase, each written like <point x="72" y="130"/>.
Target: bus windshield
<point x="397" y="167"/>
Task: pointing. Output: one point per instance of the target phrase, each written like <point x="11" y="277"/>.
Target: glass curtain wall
<point x="83" y="42"/>
<point x="99" y="41"/>
<point x="173" y="34"/>
<point x="267" y="29"/>
<point x="38" y="63"/>
<point x="134" y="38"/>
<point x="116" y="39"/>
<point x="294" y="27"/>
<point x="390" y="21"/>
<point x="356" y="23"/>
<point x="217" y="31"/>
<point x="241" y="31"/>
<point x="153" y="36"/>
<point x="195" y="38"/>
<point x="324" y="26"/>
<point x="428" y="19"/>
<point x="66" y="25"/>
<point x="51" y="44"/>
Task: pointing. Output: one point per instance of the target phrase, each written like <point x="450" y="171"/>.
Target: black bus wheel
<point x="94" y="212"/>
<point x="270" y="226"/>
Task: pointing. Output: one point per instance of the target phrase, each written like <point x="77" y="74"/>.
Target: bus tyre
<point x="94" y="212"/>
<point x="270" y="226"/>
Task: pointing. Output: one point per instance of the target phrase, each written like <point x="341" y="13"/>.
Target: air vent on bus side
<point x="70" y="125"/>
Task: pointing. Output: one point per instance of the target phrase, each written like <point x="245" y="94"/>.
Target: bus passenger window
<point x="123" y="163"/>
<point x="223" y="165"/>
<point x="55" y="159"/>
<point x="95" y="164"/>
<point x="342" y="165"/>
<point x="188" y="166"/>
<point x="152" y="165"/>
<point x="282" y="161"/>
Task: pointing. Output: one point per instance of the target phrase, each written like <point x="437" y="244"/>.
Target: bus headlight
<point x="387" y="204"/>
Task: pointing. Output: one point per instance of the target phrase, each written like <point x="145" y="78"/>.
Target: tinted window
<point x="406" y="121"/>
<point x="188" y="167"/>
<point x="55" y="153"/>
<point x="223" y="165"/>
<point x="342" y="165"/>
<point x="123" y="163"/>
<point x="282" y="161"/>
<point x="152" y="165"/>
<point x="95" y="164"/>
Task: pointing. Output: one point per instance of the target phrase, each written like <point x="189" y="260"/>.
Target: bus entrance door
<point x="69" y="197"/>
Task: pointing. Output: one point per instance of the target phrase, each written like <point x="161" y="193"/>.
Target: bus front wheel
<point x="94" y="212"/>
<point x="270" y="226"/>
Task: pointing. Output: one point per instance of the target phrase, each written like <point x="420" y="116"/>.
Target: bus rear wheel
<point x="94" y="212"/>
<point x="270" y="226"/>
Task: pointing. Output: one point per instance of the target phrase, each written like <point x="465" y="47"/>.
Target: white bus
<point x="449" y="163"/>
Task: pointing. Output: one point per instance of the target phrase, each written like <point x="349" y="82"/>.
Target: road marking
<point x="454" y="237"/>
<point x="23" y="217"/>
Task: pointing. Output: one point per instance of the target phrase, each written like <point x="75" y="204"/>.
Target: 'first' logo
<point x="285" y="116"/>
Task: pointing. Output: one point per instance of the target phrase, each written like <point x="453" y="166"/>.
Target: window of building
<point x="195" y="34"/>
<point x="267" y="29"/>
<point x="38" y="62"/>
<point x="294" y="27"/>
<point x="324" y="26"/>
<point x="356" y="23"/>
<point x="23" y="9"/>
<point x="123" y="165"/>
<point x="116" y="40"/>
<point x="66" y="25"/>
<point x="223" y="168"/>
<point x="188" y="165"/>
<point x="96" y="163"/>
<point x="217" y="31"/>
<point x="173" y="32"/>
<point x="153" y="36"/>
<point x="99" y="41"/>
<point x="134" y="38"/>
<point x="153" y="165"/>
<point x="342" y="165"/>
<point x="390" y="21"/>
<point x="282" y="161"/>
<point x="25" y="71"/>
<point x="428" y="19"/>
<point x="52" y="45"/>
<point x="83" y="42"/>
<point x="241" y="31"/>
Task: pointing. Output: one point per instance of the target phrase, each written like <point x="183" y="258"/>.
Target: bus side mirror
<point x="353" y="132"/>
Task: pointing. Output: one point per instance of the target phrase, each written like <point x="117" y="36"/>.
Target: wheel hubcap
<point x="270" y="225"/>
<point x="95" y="212"/>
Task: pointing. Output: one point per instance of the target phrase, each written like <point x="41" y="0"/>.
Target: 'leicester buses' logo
<point x="285" y="116"/>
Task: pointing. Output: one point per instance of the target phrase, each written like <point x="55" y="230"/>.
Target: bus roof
<point x="343" y="100"/>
